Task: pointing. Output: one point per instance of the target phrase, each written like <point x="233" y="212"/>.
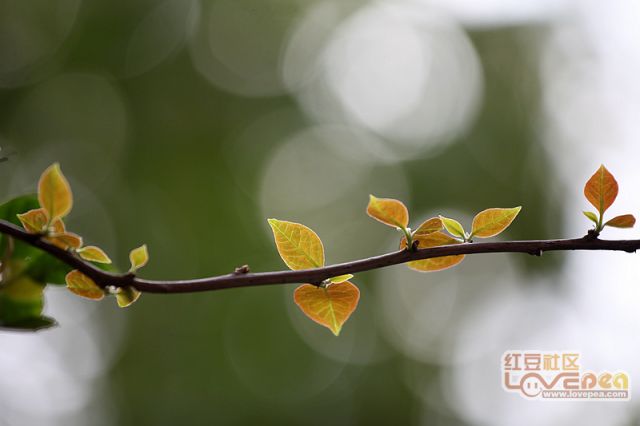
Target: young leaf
<point x="138" y="257"/>
<point x="388" y="211"/>
<point x="601" y="189"/>
<point x="299" y="246"/>
<point x="93" y="254"/>
<point x="82" y="285"/>
<point x="34" y="221"/>
<point x="453" y="226"/>
<point x="434" y="239"/>
<point x="340" y="278"/>
<point x="622" y="221"/>
<point x="126" y="296"/>
<point x="429" y="226"/>
<point x="491" y="222"/>
<point x="66" y="240"/>
<point x="330" y="306"/>
<point x="54" y="193"/>
<point x="591" y="216"/>
<point x="57" y="227"/>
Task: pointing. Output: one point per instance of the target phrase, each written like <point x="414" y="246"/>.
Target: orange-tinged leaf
<point x="66" y="240"/>
<point x="82" y="285"/>
<point x="299" y="246"/>
<point x="453" y="227"/>
<point x="34" y="221"/>
<point x="330" y="306"/>
<point x="388" y="211"/>
<point x="429" y="226"/>
<point x="93" y="254"/>
<point x="601" y="189"/>
<point x="434" y="239"/>
<point x="127" y="296"/>
<point x="57" y="227"/>
<point x="54" y="193"/>
<point x="622" y="221"/>
<point x="491" y="222"/>
<point x="138" y="257"/>
<point x="340" y="278"/>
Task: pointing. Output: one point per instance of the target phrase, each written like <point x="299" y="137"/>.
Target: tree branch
<point x="242" y="278"/>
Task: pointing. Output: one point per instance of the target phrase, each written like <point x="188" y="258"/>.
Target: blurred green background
<point x="185" y="124"/>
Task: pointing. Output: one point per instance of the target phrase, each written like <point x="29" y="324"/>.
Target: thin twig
<point x="314" y="276"/>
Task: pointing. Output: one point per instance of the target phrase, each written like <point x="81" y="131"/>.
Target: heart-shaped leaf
<point x="330" y="306"/>
<point x="388" y="211"/>
<point x="491" y="222"/>
<point x="299" y="246"/>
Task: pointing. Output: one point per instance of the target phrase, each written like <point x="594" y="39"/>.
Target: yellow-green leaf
<point x="591" y="216"/>
<point x="34" y="221"/>
<point x="126" y="296"/>
<point x="453" y="226"/>
<point x="434" y="239"/>
<point x="299" y="246"/>
<point x="601" y="189"/>
<point x="138" y="257"/>
<point x="93" y="254"/>
<point x="388" y="211"/>
<point x="340" y="278"/>
<point x="54" y="193"/>
<point x="429" y="226"/>
<point x="491" y="222"/>
<point x="622" y="221"/>
<point x="82" y="285"/>
<point x="65" y="240"/>
<point x="330" y="306"/>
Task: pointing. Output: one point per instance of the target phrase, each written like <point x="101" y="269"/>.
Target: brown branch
<point x="314" y="276"/>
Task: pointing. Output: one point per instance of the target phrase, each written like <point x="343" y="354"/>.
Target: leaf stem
<point x="408" y="236"/>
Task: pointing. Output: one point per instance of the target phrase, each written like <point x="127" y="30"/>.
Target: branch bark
<point x="313" y="276"/>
